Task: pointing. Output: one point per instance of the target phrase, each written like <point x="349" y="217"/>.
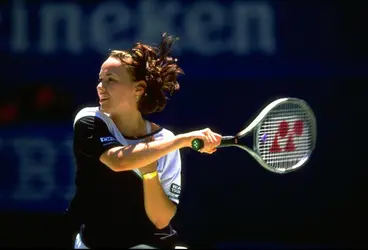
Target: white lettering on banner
<point x="19" y="40"/>
<point x="38" y="159"/>
<point x="200" y="25"/>
<point x="70" y="189"/>
<point x="262" y="15"/>
<point x="33" y="170"/>
<point x="162" y="18"/>
<point x="51" y="16"/>
<point x="106" y="23"/>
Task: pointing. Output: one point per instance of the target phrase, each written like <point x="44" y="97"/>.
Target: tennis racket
<point x="284" y="136"/>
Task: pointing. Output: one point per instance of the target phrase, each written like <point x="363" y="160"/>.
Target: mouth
<point x="103" y="99"/>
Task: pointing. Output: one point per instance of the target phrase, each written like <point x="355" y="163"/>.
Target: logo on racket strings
<point x="285" y="131"/>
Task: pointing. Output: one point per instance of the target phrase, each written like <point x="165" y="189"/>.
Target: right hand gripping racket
<point x="284" y="136"/>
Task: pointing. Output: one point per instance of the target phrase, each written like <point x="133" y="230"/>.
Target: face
<point x="116" y="90"/>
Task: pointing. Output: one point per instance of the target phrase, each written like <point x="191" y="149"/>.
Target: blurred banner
<point x="39" y="168"/>
<point x="52" y="51"/>
<point x="69" y="39"/>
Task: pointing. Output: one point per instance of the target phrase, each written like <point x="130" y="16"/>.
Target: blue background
<point x="316" y="52"/>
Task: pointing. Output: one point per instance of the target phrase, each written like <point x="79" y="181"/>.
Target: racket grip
<point x="198" y="144"/>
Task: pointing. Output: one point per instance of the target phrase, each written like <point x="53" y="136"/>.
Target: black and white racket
<point x="284" y="136"/>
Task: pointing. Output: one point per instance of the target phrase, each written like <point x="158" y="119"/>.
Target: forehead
<point x="112" y="66"/>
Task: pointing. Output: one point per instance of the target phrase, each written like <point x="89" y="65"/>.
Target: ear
<point x="140" y="87"/>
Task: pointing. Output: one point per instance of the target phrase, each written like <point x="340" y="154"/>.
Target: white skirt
<point x="78" y="243"/>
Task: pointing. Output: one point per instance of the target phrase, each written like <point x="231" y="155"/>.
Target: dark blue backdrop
<point x="237" y="55"/>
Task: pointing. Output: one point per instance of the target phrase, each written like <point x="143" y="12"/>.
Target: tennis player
<point x="129" y="169"/>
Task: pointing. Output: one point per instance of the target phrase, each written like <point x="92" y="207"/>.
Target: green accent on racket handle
<point x="197" y="144"/>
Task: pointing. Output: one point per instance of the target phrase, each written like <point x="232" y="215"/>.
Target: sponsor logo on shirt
<point x="107" y="139"/>
<point x="175" y="189"/>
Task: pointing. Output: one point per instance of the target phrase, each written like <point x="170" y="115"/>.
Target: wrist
<point x="184" y="140"/>
<point x="150" y="175"/>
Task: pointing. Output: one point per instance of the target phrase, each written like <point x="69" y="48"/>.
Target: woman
<point x="128" y="169"/>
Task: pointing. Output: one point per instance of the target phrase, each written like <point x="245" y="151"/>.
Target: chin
<point x="105" y="109"/>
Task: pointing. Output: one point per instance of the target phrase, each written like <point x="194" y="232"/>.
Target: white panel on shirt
<point x="169" y="166"/>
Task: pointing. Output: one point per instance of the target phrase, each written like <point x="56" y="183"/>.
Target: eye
<point x="106" y="81"/>
<point x="110" y="80"/>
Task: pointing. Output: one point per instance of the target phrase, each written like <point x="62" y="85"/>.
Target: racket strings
<point x="285" y="136"/>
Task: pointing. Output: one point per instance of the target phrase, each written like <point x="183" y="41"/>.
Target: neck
<point x="130" y="124"/>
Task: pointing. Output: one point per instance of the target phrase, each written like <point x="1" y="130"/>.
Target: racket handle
<point x="198" y="144"/>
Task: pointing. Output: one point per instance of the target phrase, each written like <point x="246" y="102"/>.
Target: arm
<point x="159" y="208"/>
<point x="160" y="198"/>
<point x="93" y="139"/>
<point x="143" y="154"/>
<point x="124" y="158"/>
<point x="97" y="141"/>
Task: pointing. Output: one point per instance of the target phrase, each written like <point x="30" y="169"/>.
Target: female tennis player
<point x="128" y="168"/>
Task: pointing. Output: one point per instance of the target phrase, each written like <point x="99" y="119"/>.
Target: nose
<point x="100" y="85"/>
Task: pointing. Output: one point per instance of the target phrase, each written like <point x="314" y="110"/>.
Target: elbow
<point x="162" y="221"/>
<point x="115" y="160"/>
<point x="161" y="224"/>
<point x="121" y="164"/>
<point x="117" y="167"/>
<point x="159" y="221"/>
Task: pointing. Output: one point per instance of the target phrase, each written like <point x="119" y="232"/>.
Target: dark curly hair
<point x="157" y="68"/>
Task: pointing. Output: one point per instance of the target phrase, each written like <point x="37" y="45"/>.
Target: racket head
<point x="286" y="136"/>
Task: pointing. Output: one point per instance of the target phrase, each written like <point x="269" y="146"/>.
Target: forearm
<point x="159" y="208"/>
<point x="142" y="154"/>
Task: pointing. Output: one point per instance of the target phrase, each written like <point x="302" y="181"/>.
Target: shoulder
<point x="170" y="164"/>
<point x="167" y="133"/>
<point x="90" y="119"/>
<point x="86" y="112"/>
<point x="164" y="133"/>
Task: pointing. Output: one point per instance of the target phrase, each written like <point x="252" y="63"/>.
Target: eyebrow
<point x="107" y="74"/>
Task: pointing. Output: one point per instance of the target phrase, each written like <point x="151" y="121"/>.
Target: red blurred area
<point x="45" y="96"/>
<point x="8" y="113"/>
<point x="35" y="103"/>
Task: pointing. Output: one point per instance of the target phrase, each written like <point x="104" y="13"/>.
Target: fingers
<point x="211" y="141"/>
<point x="211" y="137"/>
<point x="217" y="139"/>
<point x="208" y="152"/>
<point x="207" y="144"/>
<point x="212" y="151"/>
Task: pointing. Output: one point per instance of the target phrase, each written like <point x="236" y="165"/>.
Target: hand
<point x="150" y="167"/>
<point x="211" y="140"/>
